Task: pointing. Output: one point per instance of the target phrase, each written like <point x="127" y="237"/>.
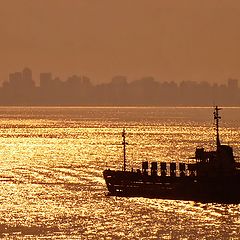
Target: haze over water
<point x="51" y="172"/>
<point x="169" y="40"/>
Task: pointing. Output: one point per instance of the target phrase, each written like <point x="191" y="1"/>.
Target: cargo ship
<point x="213" y="176"/>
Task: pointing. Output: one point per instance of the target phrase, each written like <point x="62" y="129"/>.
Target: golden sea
<point x="51" y="164"/>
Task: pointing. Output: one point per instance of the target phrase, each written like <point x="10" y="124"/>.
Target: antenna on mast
<point x="216" y="119"/>
<point x="124" y="149"/>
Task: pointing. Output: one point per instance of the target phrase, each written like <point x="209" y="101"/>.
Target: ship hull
<point x="204" y="189"/>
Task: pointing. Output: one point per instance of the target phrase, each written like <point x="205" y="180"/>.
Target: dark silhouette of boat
<point x="213" y="177"/>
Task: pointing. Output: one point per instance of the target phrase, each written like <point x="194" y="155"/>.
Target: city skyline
<point x="26" y="75"/>
<point x="21" y="89"/>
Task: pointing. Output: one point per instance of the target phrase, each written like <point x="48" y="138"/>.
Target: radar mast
<point x="124" y="149"/>
<point x="216" y="119"/>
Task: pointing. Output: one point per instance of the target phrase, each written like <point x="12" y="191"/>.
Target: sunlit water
<point x="51" y="162"/>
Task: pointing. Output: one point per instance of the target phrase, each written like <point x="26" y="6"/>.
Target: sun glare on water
<point x="51" y="173"/>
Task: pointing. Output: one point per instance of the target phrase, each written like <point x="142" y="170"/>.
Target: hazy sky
<point x="168" y="39"/>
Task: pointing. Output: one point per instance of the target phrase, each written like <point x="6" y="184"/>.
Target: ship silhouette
<point x="213" y="177"/>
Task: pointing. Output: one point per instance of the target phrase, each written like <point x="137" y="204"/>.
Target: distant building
<point x="119" y="80"/>
<point x="15" y="78"/>
<point x="27" y="75"/>
<point x="233" y="83"/>
<point x="21" y="81"/>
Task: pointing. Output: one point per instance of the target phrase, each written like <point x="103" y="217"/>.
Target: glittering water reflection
<point x="51" y="173"/>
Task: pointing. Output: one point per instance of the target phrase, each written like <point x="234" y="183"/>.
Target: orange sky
<point x="168" y="39"/>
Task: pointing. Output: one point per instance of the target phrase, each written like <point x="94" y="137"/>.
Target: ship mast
<point x="124" y="149"/>
<point x="216" y="119"/>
